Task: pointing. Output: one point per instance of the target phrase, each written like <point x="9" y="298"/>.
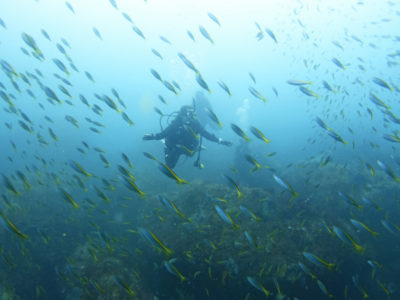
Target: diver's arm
<point x="209" y="136"/>
<point x="158" y="136"/>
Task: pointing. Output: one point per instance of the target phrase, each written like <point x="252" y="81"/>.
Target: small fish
<point x="138" y="31"/>
<point x="154" y="240"/>
<point x="349" y="200"/>
<point x="213" y="116"/>
<point x="156" y="53"/>
<point x="64" y="90"/>
<point x="249" y="213"/>
<point x="31" y="43"/>
<point x="336" y="137"/>
<point x="161" y="98"/>
<point x="392" y="228"/>
<point x="251" y="240"/>
<point x="102" y="195"/>
<point x="113" y="3"/>
<point x="68" y="198"/>
<point x="176" y="85"/>
<point x="107" y="100"/>
<point x="346" y="238"/>
<point x="378" y="101"/>
<point x="362" y="226"/>
<point x="234" y="185"/>
<point x="338" y="63"/>
<point x="25" y="126"/>
<point x="328" y="87"/>
<point x="173" y="270"/>
<point x="97" y="33"/>
<point x="374" y="265"/>
<point x="214" y="18"/>
<point x="155" y="74"/>
<point x="69" y="6"/>
<point x="306" y="270"/>
<point x="204" y="32"/>
<point x="298" y="82"/>
<point x="89" y="76"/>
<point x="170" y="87"/>
<point x="84" y="100"/>
<point x="257" y="94"/>
<point x="3" y="24"/>
<point x="253" y="161"/>
<point x="127" y="119"/>
<point x="72" y="120"/>
<point x="158" y="111"/>
<point x="271" y="34"/>
<point x="78" y="168"/>
<point x="127" y="17"/>
<point x="224" y="216"/>
<point x="359" y="287"/>
<point x="336" y="43"/>
<point x="224" y="87"/>
<point x="252" y="77"/>
<point x="61" y="49"/>
<point x="391" y="138"/>
<point x="148" y="155"/>
<point x="202" y="83"/>
<point x="24" y="179"/>
<point x="236" y="129"/>
<point x="13" y="227"/>
<point x="130" y="184"/>
<point x="384" y="288"/>
<point x="165" y="40"/>
<point x="171" y="174"/>
<point x="187" y="62"/>
<point x="382" y="83"/>
<point x="318" y="261"/>
<point x="322" y="123"/>
<point x="258" y="286"/>
<point x="126" y="159"/>
<point x="369" y="202"/>
<point x="123" y="284"/>
<point x="258" y="134"/>
<point x="308" y="92"/>
<point x="8" y="68"/>
<point x="190" y="34"/>
<point x="171" y="206"/>
<point x="125" y="172"/>
<point x="285" y="185"/>
<point x="105" y="161"/>
<point x="323" y="289"/>
<point x="61" y="66"/>
<point x="388" y="170"/>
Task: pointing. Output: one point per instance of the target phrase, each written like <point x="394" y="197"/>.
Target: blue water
<point x="89" y="242"/>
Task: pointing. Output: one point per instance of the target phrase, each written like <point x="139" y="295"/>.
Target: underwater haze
<point x="190" y="149"/>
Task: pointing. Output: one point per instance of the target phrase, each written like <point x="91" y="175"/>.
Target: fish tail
<point x="375" y="234"/>
<point x="253" y="169"/>
<point x="182" y="181"/>
<point x="360" y="249"/>
<point x="331" y="267"/>
<point x="295" y="195"/>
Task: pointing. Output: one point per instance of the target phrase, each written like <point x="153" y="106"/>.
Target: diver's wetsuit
<point x="182" y="137"/>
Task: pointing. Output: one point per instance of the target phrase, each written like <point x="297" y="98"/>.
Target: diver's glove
<point x="225" y="143"/>
<point x="148" y="137"/>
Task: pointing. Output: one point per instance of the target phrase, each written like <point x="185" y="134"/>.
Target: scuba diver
<point x="182" y="137"/>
